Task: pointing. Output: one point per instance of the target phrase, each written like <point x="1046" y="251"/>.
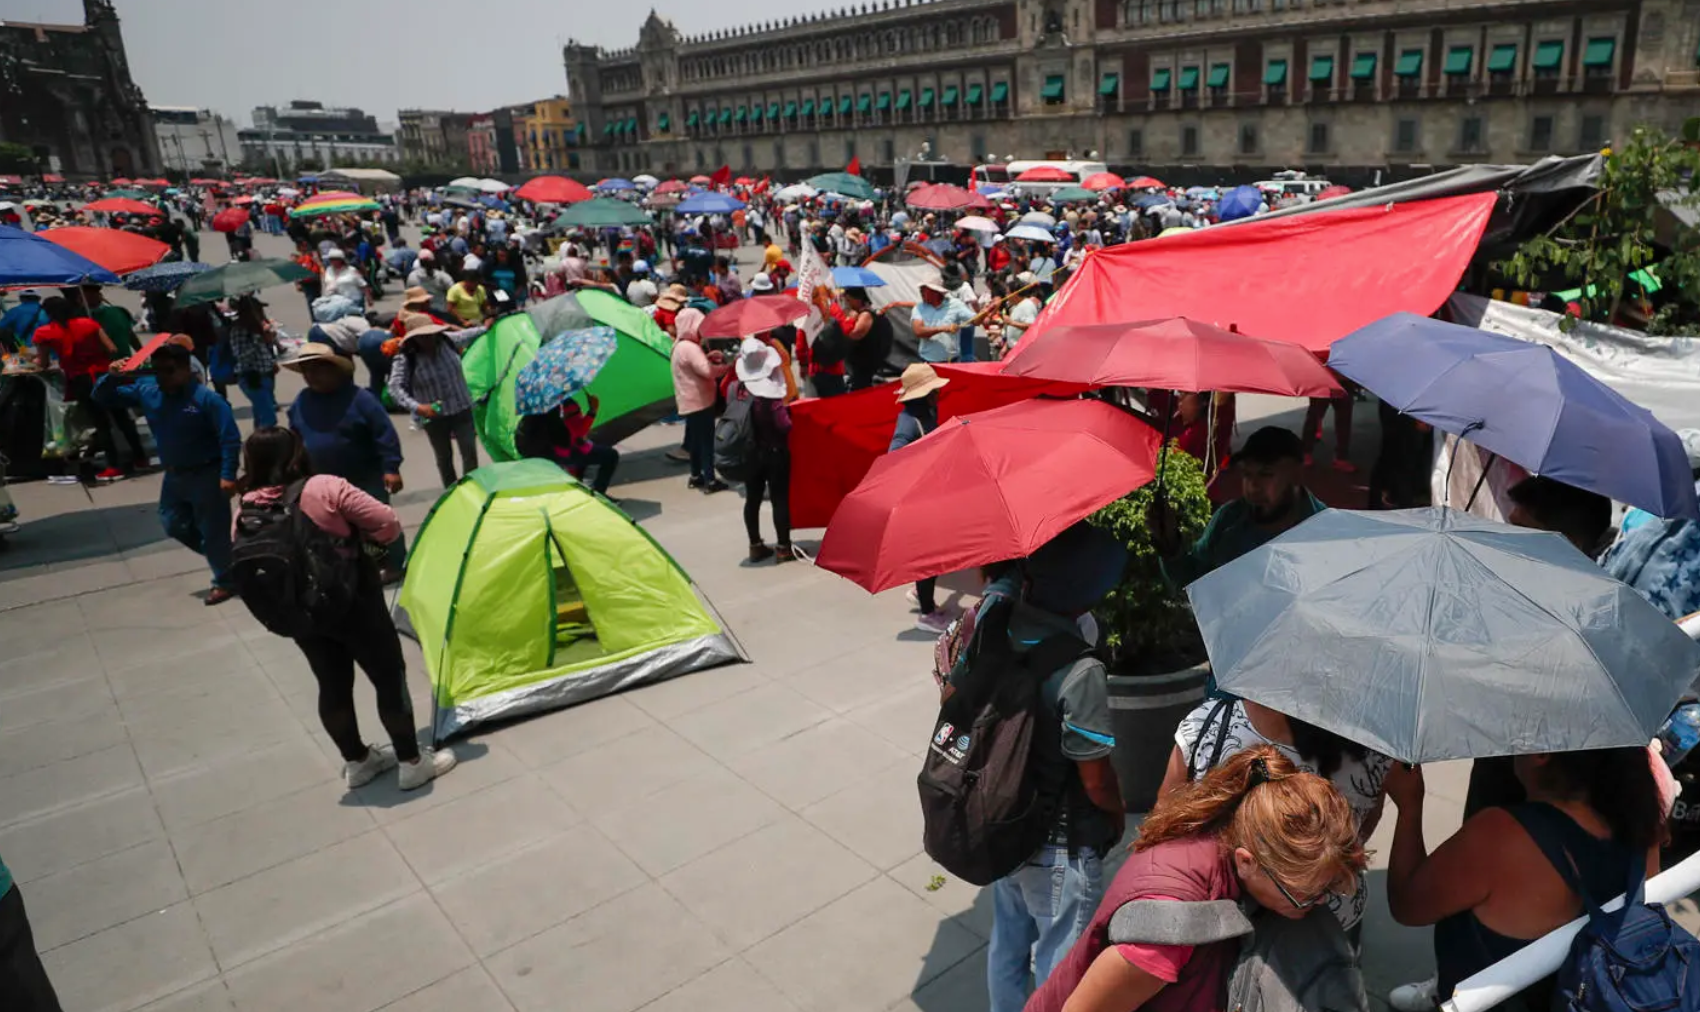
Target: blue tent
<point x="28" y="259"/>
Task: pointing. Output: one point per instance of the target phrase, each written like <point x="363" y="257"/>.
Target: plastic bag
<point x="55" y="441"/>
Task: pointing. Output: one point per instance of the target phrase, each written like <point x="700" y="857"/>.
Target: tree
<point x="17" y="158"/>
<point x="1627" y="225"/>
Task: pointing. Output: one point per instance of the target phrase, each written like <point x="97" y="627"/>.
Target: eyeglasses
<point x="1298" y="904"/>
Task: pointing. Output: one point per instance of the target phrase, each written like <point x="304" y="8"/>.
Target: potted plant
<point x="1156" y="659"/>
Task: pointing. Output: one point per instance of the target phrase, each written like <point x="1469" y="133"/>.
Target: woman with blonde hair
<point x="1255" y="826"/>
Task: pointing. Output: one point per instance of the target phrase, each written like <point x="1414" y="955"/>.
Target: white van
<point x="1293" y="184"/>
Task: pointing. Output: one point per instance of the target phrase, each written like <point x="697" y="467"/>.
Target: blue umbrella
<point x="1524" y="402"/>
<point x="494" y="203"/>
<point x="164" y="277"/>
<point x="614" y="185"/>
<point x="856" y="277"/>
<point x="1239" y="202"/>
<point x="28" y="259"/>
<point x="1151" y="200"/>
<point x="709" y="203"/>
<point x="563" y="367"/>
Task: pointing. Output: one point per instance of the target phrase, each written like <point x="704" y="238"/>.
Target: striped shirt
<point x="433" y="377"/>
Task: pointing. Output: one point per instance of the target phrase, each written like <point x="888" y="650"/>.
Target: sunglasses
<point x="1298" y="904"/>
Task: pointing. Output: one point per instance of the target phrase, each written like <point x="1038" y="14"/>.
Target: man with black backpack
<point x="1017" y="789"/>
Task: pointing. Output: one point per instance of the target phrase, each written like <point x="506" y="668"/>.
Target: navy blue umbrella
<point x="1150" y="200"/>
<point x="1239" y="202"/>
<point x="164" y="277"/>
<point x="1524" y="402"/>
<point x="28" y="259"/>
<point x="709" y="203"/>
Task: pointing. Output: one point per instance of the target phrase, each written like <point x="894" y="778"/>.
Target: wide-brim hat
<point x="934" y="286"/>
<point x="415" y="296"/>
<point x="917" y="381"/>
<point x="758" y="369"/>
<point x="313" y="351"/>
<point x="419" y="325"/>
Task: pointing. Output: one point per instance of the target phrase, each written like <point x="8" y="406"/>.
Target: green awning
<point x="1599" y="52"/>
<point x="885" y="101"/>
<point x="1160" y="79"/>
<point x="1548" y="55"/>
<point x="1218" y="75"/>
<point x="1322" y="68"/>
<point x="691" y="120"/>
<point x="1363" y="67"/>
<point x="791" y="109"/>
<point x="926" y="98"/>
<point x="865" y="103"/>
<point x="974" y="93"/>
<point x="742" y="114"/>
<point x="950" y="95"/>
<point x="809" y="107"/>
<point x="607" y="129"/>
<point x="664" y="122"/>
<point x="1000" y="91"/>
<point x="1458" y="60"/>
<point x="1503" y="59"/>
<point x="773" y="109"/>
<point x="1110" y="84"/>
<point x="1189" y="79"/>
<point x="632" y="126"/>
<point x="1275" y="72"/>
<point x="1053" y="87"/>
<point x="1410" y="63"/>
<point x="844" y="104"/>
<point x="755" y="113"/>
<point x="903" y="99"/>
<point x="726" y="115"/>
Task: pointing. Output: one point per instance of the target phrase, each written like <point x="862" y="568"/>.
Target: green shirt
<point x="119" y="326"/>
<point x="1230" y="534"/>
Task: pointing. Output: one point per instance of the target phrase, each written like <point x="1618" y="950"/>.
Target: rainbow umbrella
<point x="335" y="202"/>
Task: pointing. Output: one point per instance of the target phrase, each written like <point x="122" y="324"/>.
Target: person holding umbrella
<point x="759" y="371"/>
<point x="554" y="425"/>
<point x="426" y="378"/>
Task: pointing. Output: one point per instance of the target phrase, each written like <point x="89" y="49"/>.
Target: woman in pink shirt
<point x="695" y="376"/>
<point x="273" y="461"/>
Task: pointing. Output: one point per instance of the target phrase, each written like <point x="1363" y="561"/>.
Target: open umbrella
<point x="493" y="186"/>
<point x="463" y="183"/>
<point x="563" y="367"/>
<point x="945" y="197"/>
<point x="122" y="205"/>
<point x="1524" y="402"/>
<point x="985" y="487"/>
<point x="710" y="203"/>
<point x="1239" y="202"/>
<point x="614" y="185"/>
<point x="230" y="219"/>
<point x="673" y="186"/>
<point x="603" y="212"/>
<point x="701" y="179"/>
<point x="755" y="315"/>
<point x="1144" y="183"/>
<point x="165" y="277"/>
<point x="127" y="195"/>
<point x="1103" y="181"/>
<point x="1032" y="233"/>
<point x="645" y="181"/>
<point x="28" y="259"/>
<point x="975" y="223"/>
<point x="1431" y="634"/>
<point x="240" y="278"/>
<point x="553" y="190"/>
<point x="118" y="251"/>
<point x="1039" y="218"/>
<point x="796" y="191"/>
<point x="1148" y="201"/>
<point x="856" y="277"/>
<point x="335" y="202"/>
<point x="844" y="184"/>
<point x="1171" y="354"/>
<point x="1073" y="194"/>
<point x="1045" y="174"/>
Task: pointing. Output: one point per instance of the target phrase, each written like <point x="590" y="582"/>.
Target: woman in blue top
<point x="918" y="395"/>
<point x="506" y="272"/>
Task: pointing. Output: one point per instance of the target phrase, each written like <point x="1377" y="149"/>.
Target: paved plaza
<point x="745" y="839"/>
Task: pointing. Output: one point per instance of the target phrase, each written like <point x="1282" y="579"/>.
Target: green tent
<point x="503" y="636"/>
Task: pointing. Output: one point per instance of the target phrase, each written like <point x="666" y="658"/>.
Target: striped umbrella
<point x="165" y="277"/>
<point x="335" y="202"/>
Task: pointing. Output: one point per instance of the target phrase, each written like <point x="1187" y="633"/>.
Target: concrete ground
<point x="742" y="839"/>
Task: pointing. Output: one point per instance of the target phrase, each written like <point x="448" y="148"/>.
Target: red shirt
<point x="77" y="345"/>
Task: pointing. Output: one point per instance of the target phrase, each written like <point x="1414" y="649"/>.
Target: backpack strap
<point x="1219" y="711"/>
<point x="1177" y="922"/>
<point x="1548" y="827"/>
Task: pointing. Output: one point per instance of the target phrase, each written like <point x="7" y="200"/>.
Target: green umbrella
<point x="844" y="184"/>
<point x="240" y="279"/>
<point x="1070" y="194"/>
<point x="603" y="212"/>
<point x="129" y="194"/>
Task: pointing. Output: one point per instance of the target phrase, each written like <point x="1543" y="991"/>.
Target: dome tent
<point x="529" y="592"/>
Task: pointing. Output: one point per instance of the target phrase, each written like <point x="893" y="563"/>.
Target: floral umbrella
<point x="563" y="367"/>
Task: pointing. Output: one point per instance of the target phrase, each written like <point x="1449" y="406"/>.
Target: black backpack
<point x="831" y="345"/>
<point x="994" y="776"/>
<point x="734" y="437"/>
<point x="295" y="577"/>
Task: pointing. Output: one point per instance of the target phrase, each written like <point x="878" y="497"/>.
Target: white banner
<point x="812" y="275"/>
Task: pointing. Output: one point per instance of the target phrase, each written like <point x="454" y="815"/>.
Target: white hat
<point x="1691" y="444"/>
<point x="640" y="266"/>
<point x="758" y="369"/>
<point x="1025" y="278"/>
<point x="336" y="253"/>
<point x="934" y="286"/>
<point x="761" y="283"/>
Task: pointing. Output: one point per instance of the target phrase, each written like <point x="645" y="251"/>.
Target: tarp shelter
<point x="904" y="269"/>
<point x="1309" y="279"/>
<point x="528" y="592"/>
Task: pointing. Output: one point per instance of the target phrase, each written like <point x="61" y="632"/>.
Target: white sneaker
<point x="432" y="764"/>
<point x="1418" y="997"/>
<point x="378" y="759"/>
<point x="935" y="623"/>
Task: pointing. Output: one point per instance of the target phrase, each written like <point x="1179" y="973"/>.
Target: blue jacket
<point x="347" y="433"/>
<point x="192" y="428"/>
<point x="21" y="320"/>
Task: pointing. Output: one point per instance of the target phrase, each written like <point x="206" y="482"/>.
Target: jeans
<point x="23" y="980"/>
<point x="368" y="639"/>
<point x="260" y="389"/>
<point x="699" y="442"/>
<point x="1038" y="911"/>
<point x="772" y="479"/>
<point x="195" y="511"/>
<point x="373" y="485"/>
<point x="371" y="351"/>
<point x="459" y="428"/>
<point x="965" y="344"/>
<point x="606" y="459"/>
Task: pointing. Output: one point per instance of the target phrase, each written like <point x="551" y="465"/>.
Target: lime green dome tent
<point x="528" y="592"/>
<point x="635" y="388"/>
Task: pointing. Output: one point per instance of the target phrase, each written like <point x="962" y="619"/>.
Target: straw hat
<point x="674" y="298"/>
<point x="313" y="351"/>
<point x="917" y="381"/>
<point x="934" y="286"/>
<point x="758" y="369"/>
<point x="415" y="297"/>
<point x="419" y="325"/>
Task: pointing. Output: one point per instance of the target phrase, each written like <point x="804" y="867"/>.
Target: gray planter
<point x="1145" y="710"/>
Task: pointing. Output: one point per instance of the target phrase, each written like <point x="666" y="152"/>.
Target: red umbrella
<point x="702" y="179"/>
<point x="1333" y="191"/>
<point x="114" y="249"/>
<point x="672" y="186"/>
<point x="122" y="205"/>
<point x="122" y="181"/>
<point x="986" y="487"/>
<point x="206" y="182"/>
<point x="1103" y="181"/>
<point x="755" y="315"/>
<point x="744" y="181"/>
<point x="258" y="181"/>
<point x="553" y="190"/>
<point x="1045" y="174"/>
<point x="52" y="178"/>
<point x="244" y="199"/>
<point x="1172" y="354"/>
<point x="945" y="197"/>
<point x="153" y="182"/>
<point x="230" y="219"/>
<point x="1145" y="183"/>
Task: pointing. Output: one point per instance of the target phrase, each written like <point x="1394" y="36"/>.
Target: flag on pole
<point x="813" y="276"/>
<point x="722" y="176"/>
<point x="855" y="166"/>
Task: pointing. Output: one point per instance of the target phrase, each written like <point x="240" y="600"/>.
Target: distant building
<point x="433" y="137"/>
<point x="195" y="141"/>
<point x="66" y="94"/>
<point x="508" y="124"/>
<point x="283" y="138"/>
<point x="481" y="145"/>
<point x="552" y="136"/>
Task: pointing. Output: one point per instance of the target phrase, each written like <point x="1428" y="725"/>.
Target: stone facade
<point x="433" y="137"/>
<point x="195" y="142"/>
<point x="1191" y="90"/>
<point x="66" y="93"/>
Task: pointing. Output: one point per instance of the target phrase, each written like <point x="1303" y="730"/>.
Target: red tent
<point x="552" y="190"/>
<point x="1310" y="279"/>
<point x="11" y="180"/>
<point x="114" y="249"/>
<point x="1045" y="174"/>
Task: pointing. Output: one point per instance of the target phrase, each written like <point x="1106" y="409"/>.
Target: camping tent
<point x="503" y="636"/>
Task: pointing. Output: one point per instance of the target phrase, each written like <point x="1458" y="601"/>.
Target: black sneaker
<point x="695" y="482"/>
<point x="715" y="486"/>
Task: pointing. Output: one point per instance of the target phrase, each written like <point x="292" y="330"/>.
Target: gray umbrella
<point x="1431" y="634"/>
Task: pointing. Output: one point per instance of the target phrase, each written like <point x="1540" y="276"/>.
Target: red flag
<point x="722" y="176"/>
<point x="855" y="166"/>
<point x="762" y="186"/>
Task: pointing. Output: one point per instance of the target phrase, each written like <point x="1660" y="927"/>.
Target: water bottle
<point x="1680" y="734"/>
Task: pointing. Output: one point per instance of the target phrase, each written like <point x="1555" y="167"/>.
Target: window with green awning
<point x="1458" y="60"/>
<point x="1160" y="79"/>
<point x="1363" y="67"/>
<point x="1599" y="52"/>
<point x="809" y="107"/>
<point x="1000" y="91"/>
<point x="1189" y="79"/>
<point x="884" y="104"/>
<point x="951" y="93"/>
<point x="691" y="120"/>
<point x="974" y="93"/>
<point x="607" y="129"/>
<point x="1503" y="59"/>
<point x="903" y="99"/>
<point x="927" y="96"/>
<point x="755" y="114"/>
<point x="1548" y="55"/>
<point x="726" y="115"/>
<point x="1218" y="75"/>
<point x="1275" y="72"/>
<point x="844" y="104"/>
<point x="1053" y="88"/>
<point x="1322" y="68"/>
<point x="632" y="126"/>
<point x="865" y="103"/>
<point x="742" y="114"/>
<point x="791" y="109"/>
<point x="1410" y="63"/>
<point x="773" y="109"/>
<point x="1109" y="84"/>
<point x="664" y="122"/>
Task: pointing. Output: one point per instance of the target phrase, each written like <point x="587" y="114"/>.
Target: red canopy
<point x="121" y="181"/>
<point x="198" y="181"/>
<point x="755" y="315"/>
<point x="153" y="182"/>
<point x="945" y="197"/>
<point x="985" y="487"/>
<point x="1045" y="174"/>
<point x="1144" y="183"/>
<point x="52" y="178"/>
<point x="1103" y="181"/>
<point x="122" y="205"/>
<point x="1310" y="279"/>
<point x="552" y="190"/>
<point x="114" y="249"/>
<point x="835" y="440"/>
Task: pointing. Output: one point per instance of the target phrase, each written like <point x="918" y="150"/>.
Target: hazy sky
<point x="381" y="55"/>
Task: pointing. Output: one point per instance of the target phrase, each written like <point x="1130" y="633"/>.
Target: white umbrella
<point x="1030" y="232"/>
<point x="1038" y="218"/>
<point x="646" y="181"/>
<point x="465" y="183"/>
<point x="288" y="191"/>
<point x="492" y="186"/>
<point x="975" y="223"/>
<point x="796" y="191"/>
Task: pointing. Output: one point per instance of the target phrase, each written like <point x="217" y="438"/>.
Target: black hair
<point x="1618" y="785"/>
<point x="1323" y="749"/>
<point x="1271" y="444"/>
<point x="57" y="308"/>
<point x="272" y="456"/>
<point x="171" y="352"/>
<point x="858" y="293"/>
<point x="1578" y="514"/>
